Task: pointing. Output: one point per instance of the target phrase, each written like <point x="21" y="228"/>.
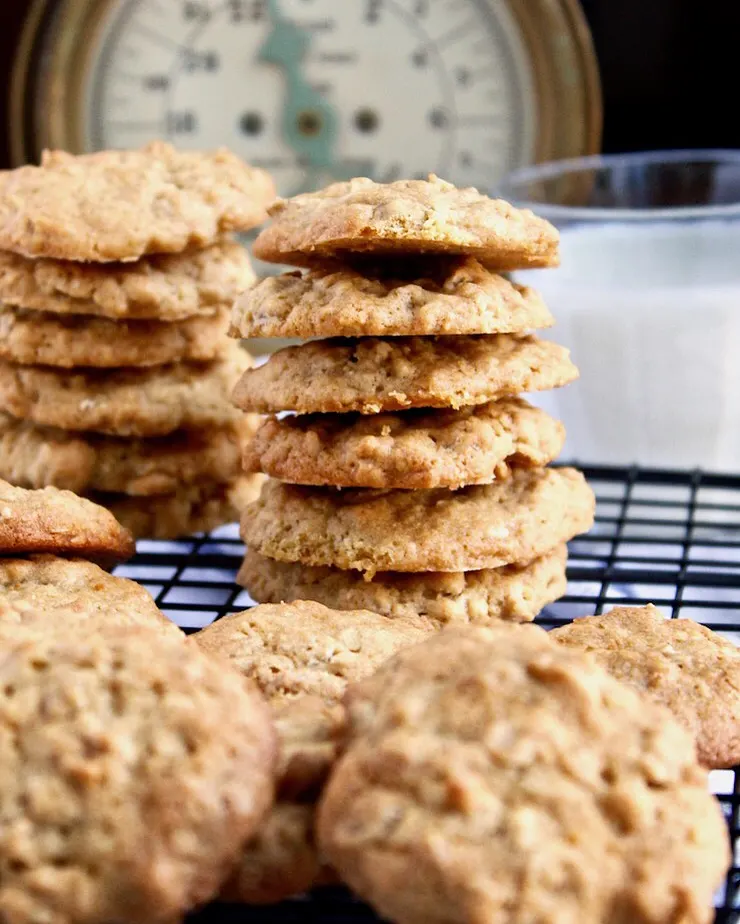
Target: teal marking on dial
<point x="309" y="122"/>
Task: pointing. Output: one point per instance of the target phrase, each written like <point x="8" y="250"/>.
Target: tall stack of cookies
<point x="116" y="273"/>
<point x="410" y="477"/>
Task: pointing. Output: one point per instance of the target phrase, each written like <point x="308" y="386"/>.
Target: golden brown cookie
<point x="134" y="768"/>
<point x="310" y="730"/>
<point x="304" y="648"/>
<point x="125" y="402"/>
<point x="34" y="457"/>
<point x="301" y="656"/>
<point x="457" y="297"/>
<point x="71" y="596"/>
<point x="60" y="523"/>
<point x="493" y="775"/>
<point x="410" y="449"/>
<point x="373" y="374"/>
<point x="513" y="593"/>
<point x="676" y="662"/>
<point x="282" y="858"/>
<point x="196" y="508"/>
<point x="164" y="287"/>
<point x="122" y="205"/>
<point x="407" y="216"/>
<point x="482" y="526"/>
<point x="66" y="341"/>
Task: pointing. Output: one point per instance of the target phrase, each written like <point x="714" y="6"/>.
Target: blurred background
<point x="473" y="87"/>
<point x="473" y="90"/>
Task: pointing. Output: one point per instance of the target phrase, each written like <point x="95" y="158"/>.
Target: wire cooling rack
<point x="664" y="537"/>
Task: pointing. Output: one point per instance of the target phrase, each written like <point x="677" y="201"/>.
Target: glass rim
<point x="510" y="187"/>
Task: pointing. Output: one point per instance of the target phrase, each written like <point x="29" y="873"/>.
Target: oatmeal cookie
<point x="493" y="775"/>
<point x="372" y="374"/>
<point x="198" y="508"/>
<point x="514" y="593"/>
<point x="457" y="297"/>
<point x="59" y="523"/>
<point x="67" y="341"/>
<point x="410" y="449"/>
<point x="304" y="648"/>
<point x="122" y="205"/>
<point x="32" y="456"/>
<point x="406" y="216"/>
<point x="301" y="656"/>
<point x="134" y="768"/>
<point x="677" y="662"/>
<point x="125" y="402"/>
<point x="482" y="526"/>
<point x="163" y="287"/>
<point x="47" y="594"/>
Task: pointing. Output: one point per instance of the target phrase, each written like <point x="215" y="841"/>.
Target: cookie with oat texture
<point x="514" y="593"/>
<point x="481" y="526"/>
<point x="679" y="663"/>
<point x="122" y="205"/>
<point x="44" y="593"/>
<point x="59" y="523"/>
<point x="196" y="508"/>
<point x="444" y="297"/>
<point x="161" y="287"/>
<point x="301" y="656"/>
<point x="430" y="216"/>
<point x="493" y="775"/>
<point x="374" y="374"/>
<point x="135" y="768"/>
<point x="67" y="341"/>
<point x="33" y="456"/>
<point x="125" y="402"/>
<point x="410" y="449"/>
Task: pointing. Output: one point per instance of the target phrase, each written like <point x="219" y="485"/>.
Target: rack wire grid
<point x="671" y="538"/>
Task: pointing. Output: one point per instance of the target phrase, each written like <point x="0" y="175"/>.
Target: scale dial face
<point x="317" y="90"/>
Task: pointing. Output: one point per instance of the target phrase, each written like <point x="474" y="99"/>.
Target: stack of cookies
<point x="49" y="581"/>
<point x="410" y="477"/>
<point x="115" y="369"/>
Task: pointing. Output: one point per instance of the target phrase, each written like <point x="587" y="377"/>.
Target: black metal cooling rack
<point x="665" y="537"/>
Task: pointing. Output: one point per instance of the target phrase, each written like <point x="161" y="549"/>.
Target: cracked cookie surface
<point x="493" y="775"/>
<point x="515" y="593"/>
<point x="95" y="734"/>
<point x="461" y="297"/>
<point x="679" y="663"/>
<point x="376" y="374"/>
<point x="405" y="217"/>
<point x="122" y="205"/>
<point x="481" y="526"/>
<point x="163" y="287"/>
<point x="410" y="449"/>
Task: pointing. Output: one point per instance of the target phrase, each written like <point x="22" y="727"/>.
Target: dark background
<point x="669" y="69"/>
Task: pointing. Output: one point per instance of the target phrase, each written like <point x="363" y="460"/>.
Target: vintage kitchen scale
<point x="313" y="90"/>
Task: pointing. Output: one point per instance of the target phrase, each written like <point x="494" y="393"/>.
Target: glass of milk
<point x="647" y="297"/>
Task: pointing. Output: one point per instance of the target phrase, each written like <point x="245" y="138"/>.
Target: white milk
<point x="651" y="313"/>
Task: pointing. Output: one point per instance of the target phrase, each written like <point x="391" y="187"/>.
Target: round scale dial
<point x="317" y="90"/>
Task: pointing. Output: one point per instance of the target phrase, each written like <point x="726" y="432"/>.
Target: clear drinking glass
<point x="647" y="297"/>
